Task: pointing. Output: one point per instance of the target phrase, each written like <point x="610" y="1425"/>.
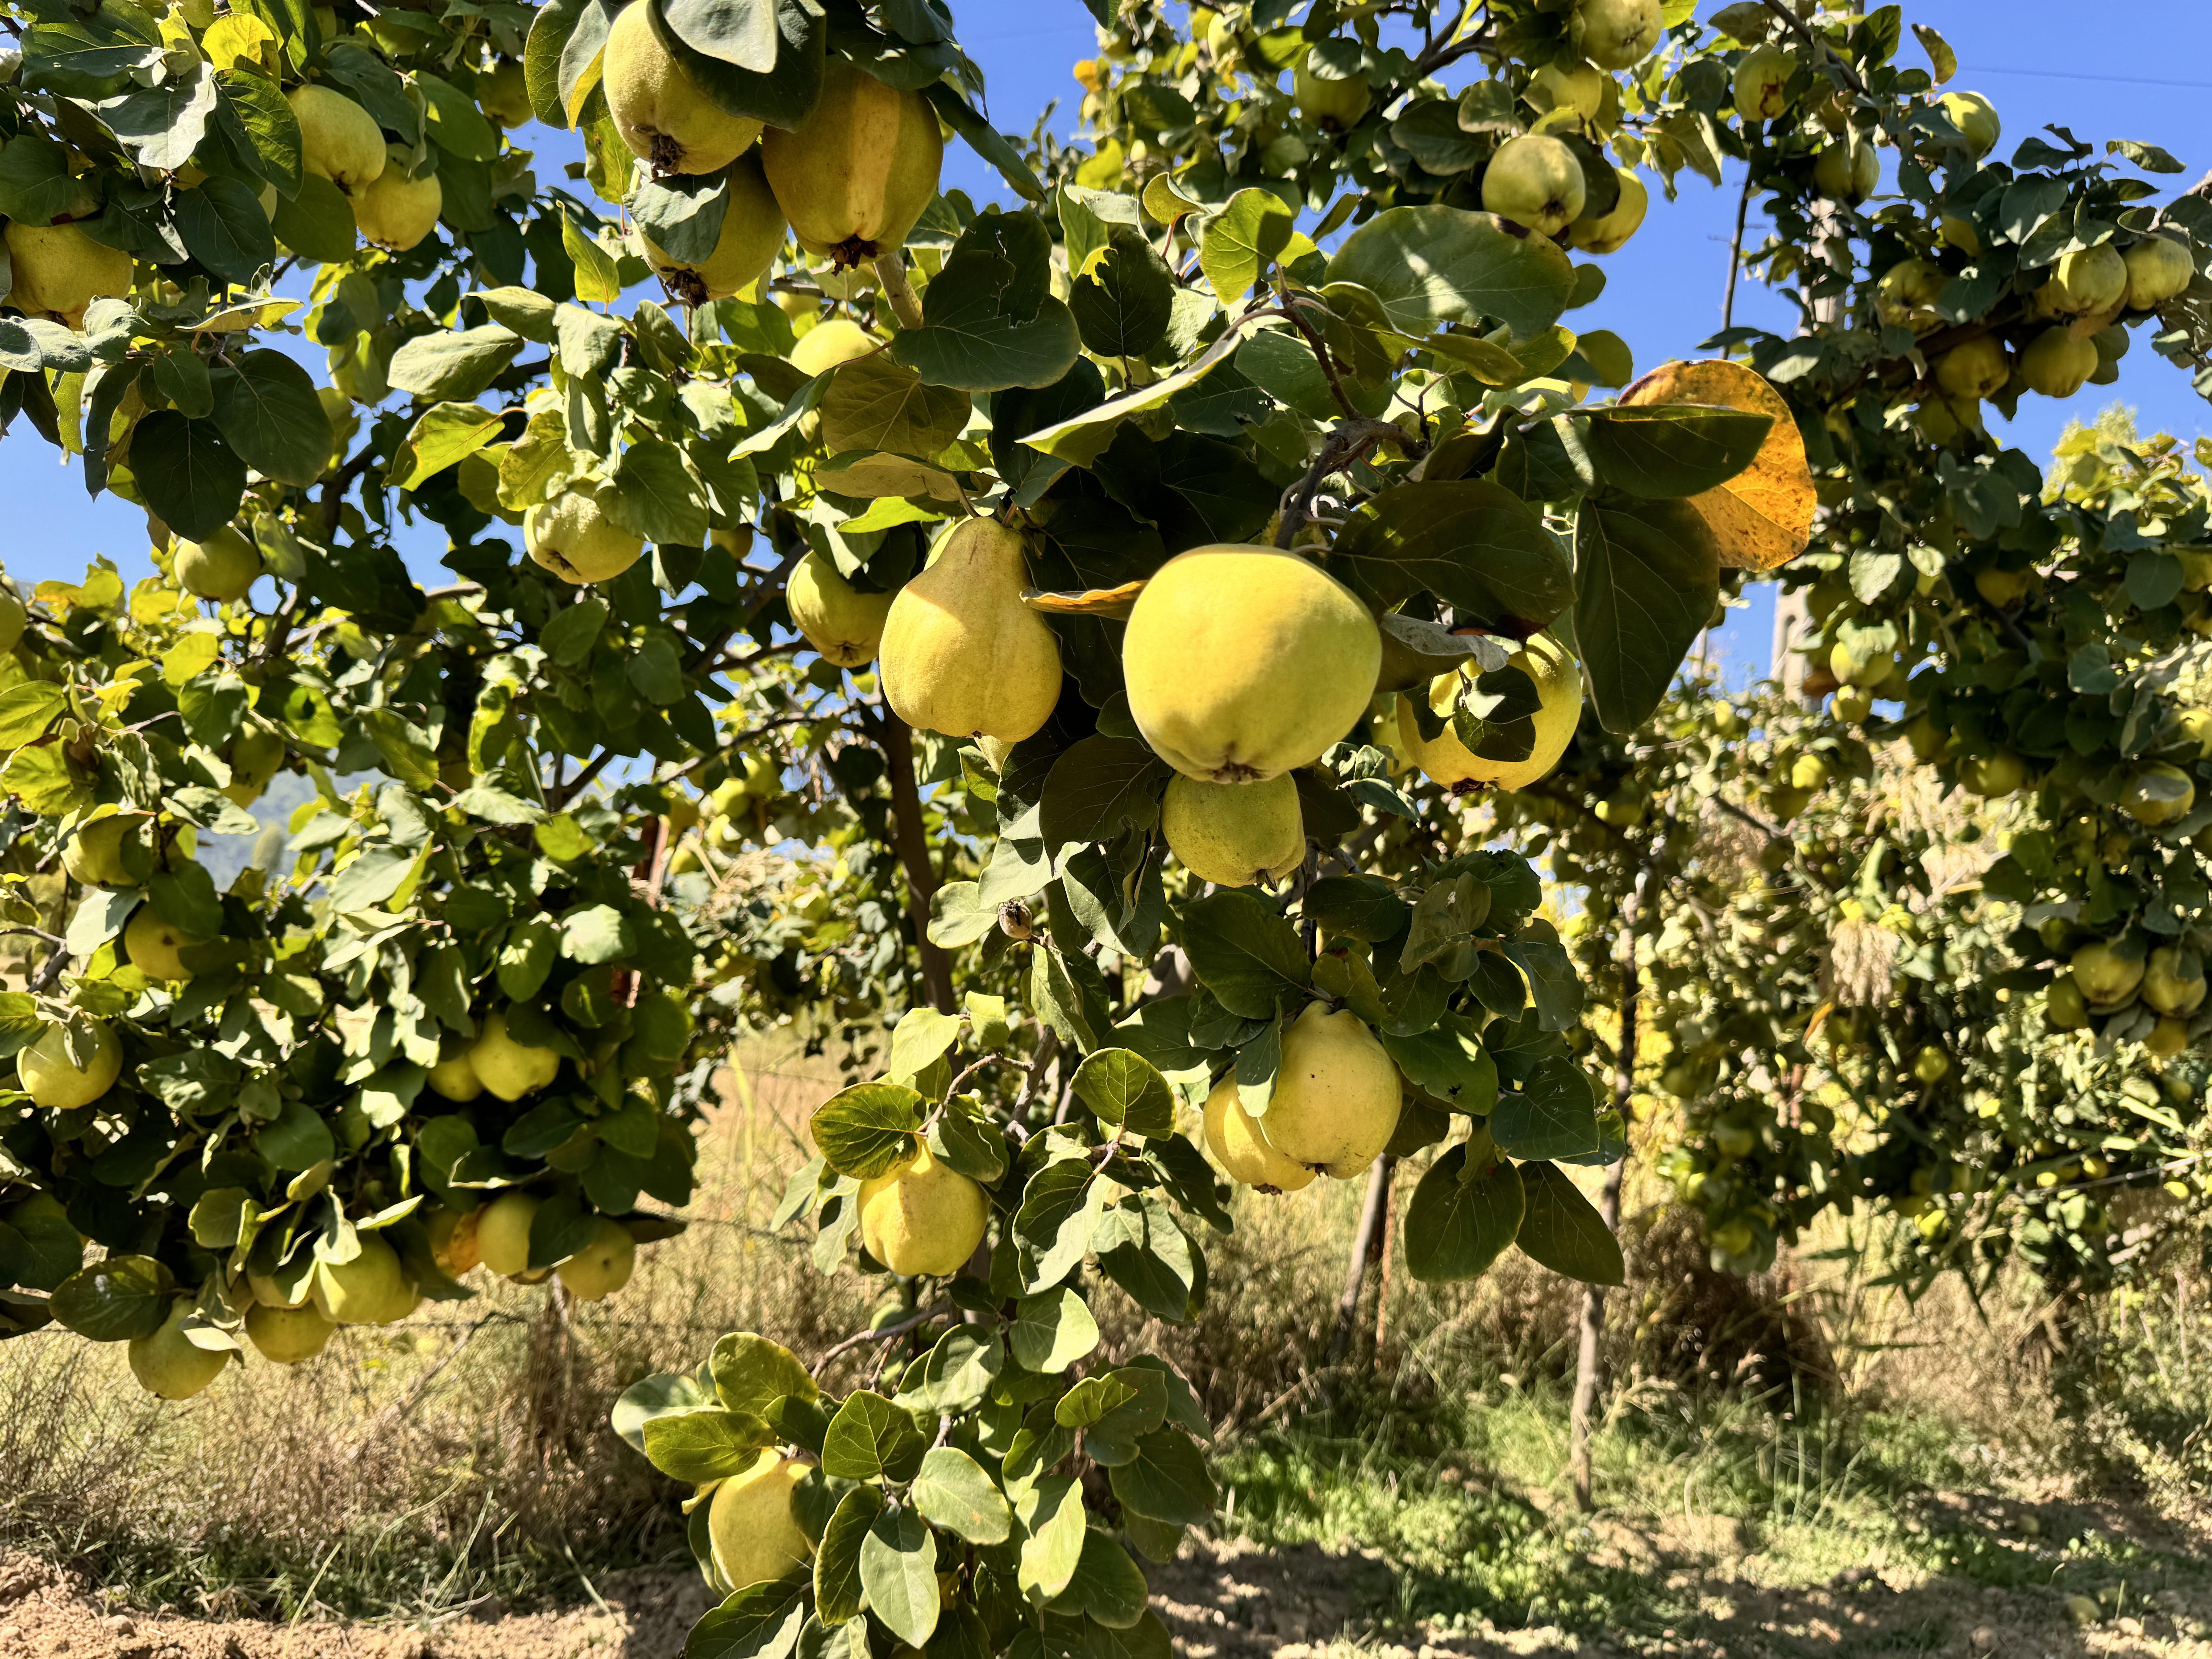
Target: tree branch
<point x="1351" y="439"/>
<point x="912" y="844"/>
<point x="1796" y="26"/>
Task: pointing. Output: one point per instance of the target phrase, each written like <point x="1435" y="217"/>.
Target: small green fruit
<point x="1534" y="180"/>
<point x="52" y="1079"/>
<point x="1974" y="368"/>
<point x="2158" y="794"/>
<point x="221" y="568"/>
<point x="2107" y="979"/>
<point x="1975" y="118"/>
<point x="1608" y="233"/>
<point x="2057" y="365"/>
<point x="170" y="1365"/>
<point x="839" y="621"/>
<point x="1237" y="834"/>
<point x="1334" y="106"/>
<point x="2158" y="269"/>
<point x="573" y="536"/>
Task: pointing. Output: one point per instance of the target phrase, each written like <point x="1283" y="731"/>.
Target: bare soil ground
<point x="1233" y="1602"/>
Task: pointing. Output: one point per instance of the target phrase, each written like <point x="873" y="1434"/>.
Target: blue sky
<point x="2033" y="58"/>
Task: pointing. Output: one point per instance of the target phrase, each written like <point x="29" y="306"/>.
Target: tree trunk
<point x="913" y="846"/>
<point x="1581" y="1416"/>
<point x="1366" y="1245"/>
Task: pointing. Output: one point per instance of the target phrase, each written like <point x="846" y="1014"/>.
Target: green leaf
<point x="1242" y="240"/>
<point x="1124" y="303"/>
<point x="990" y="320"/>
<point x="1127" y="1090"/>
<point x="876" y="405"/>
<point x="920" y="1040"/>
<point x="453" y="365"/>
<point x="1097" y="785"/>
<point x="1052" y="1228"/>
<point x="27" y="710"/>
<point x="986" y="140"/>
<point x="1673" y="449"/>
<point x="1447" y="1060"/>
<point x="443" y="436"/>
<point x="316" y="222"/>
<point x="224" y="228"/>
<point x="1106" y="1584"/>
<point x="1471" y="542"/>
<point x="871" y="1439"/>
<point x="1167" y="1480"/>
<point x="898" y="1569"/>
<point x="1649" y="577"/>
<point x="1433" y="266"/>
<point x="867" y="1129"/>
<point x="657" y="497"/>
<point x="1051" y="1331"/>
<point x="192" y="478"/>
<point x="648" y="1398"/>
<point x="115" y="1300"/>
<point x="760" y="1622"/>
<point x="751" y="1373"/>
<point x="1554" y="1116"/>
<point x="269" y="410"/>
<point x="1143" y="1250"/>
<point x="954" y="1374"/>
<point x="1456" y="1227"/>
<point x="705" y="1445"/>
<point x="838" y="1593"/>
<point x="596" y="933"/>
<point x="1051" y="1513"/>
<point x="953" y="1491"/>
<point x="1564" y="1231"/>
<point x="1248" y="956"/>
<point x="762" y="61"/>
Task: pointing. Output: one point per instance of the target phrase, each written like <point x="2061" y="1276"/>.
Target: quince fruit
<point x="1608" y="233"/>
<point x="2057" y="365"/>
<point x="339" y="140"/>
<point x="855" y="175"/>
<point x="52" y="1079"/>
<point x="1237" y="834"/>
<point x="663" y="114"/>
<point x="1975" y="118"/>
<point x="960" y="653"/>
<point x="503" y="1232"/>
<point x="752" y="236"/>
<point x="1617" y="35"/>
<point x="1240" y="1144"/>
<point x="59" y="271"/>
<point x="1535" y="181"/>
<point x="510" y="1069"/>
<point x="1244" y="662"/>
<point x="221" y="568"/>
<point x="839" y="621"/>
<point x="157" y="947"/>
<point x="1762" y="81"/>
<point x="2158" y="794"/>
<point x="754" y="1536"/>
<point x="2169" y="988"/>
<point x="923" y="1217"/>
<point x="573" y="536"/>
<point x="2085" y="282"/>
<point x="288" y="1335"/>
<point x="1337" y="1095"/>
<point x="395" y="211"/>
<point x="170" y="1365"/>
<point x="602" y="1266"/>
<point x="372" y="1289"/>
<point x="1332" y="104"/>
<point x="1446" y="760"/>
<point x="2158" y="269"/>
<point x="1974" y="368"/>
<point x="2106" y="978"/>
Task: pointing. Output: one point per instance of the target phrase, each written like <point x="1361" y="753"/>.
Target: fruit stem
<point x="890" y="272"/>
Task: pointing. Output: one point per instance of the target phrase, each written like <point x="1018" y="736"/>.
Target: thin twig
<point x="1735" y="254"/>
<point x="888" y="1334"/>
<point x="1351" y="439"/>
<point x="1290" y="312"/>
<point x="1796" y="26"/>
<point x="890" y="272"/>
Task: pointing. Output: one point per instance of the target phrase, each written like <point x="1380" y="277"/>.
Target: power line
<point x="2076" y="74"/>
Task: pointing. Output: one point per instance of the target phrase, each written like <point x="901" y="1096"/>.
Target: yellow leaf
<point x="1762" y="517"/>
<point x="239" y="38"/>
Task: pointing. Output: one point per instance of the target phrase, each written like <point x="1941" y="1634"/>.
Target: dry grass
<point x="462" y="1461"/>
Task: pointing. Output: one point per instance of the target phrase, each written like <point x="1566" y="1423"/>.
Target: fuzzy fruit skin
<point x="1975" y="118"/>
<point x="222" y="568"/>
<point x="755" y="1536"/>
<point x="503" y="93"/>
<point x="59" y="271"/>
<point x="455" y="1079"/>
<point x="510" y="1069"/>
<point x="1448" y="761"/>
<point x="1581" y="88"/>
<point x="1534" y="180"/>
<point x="453" y="1241"/>
<point x="1761" y="78"/>
<point x="854" y="176"/>
<point x="503" y="1232"/>
<point x="1244" y="662"/>
<point x="51" y="1080"/>
<point x="2106" y="978"/>
<point x="2167" y="1038"/>
<point x="395" y="211"/>
<point x="155" y="947"/>
<point x="1974" y="368"/>
<point x="1337" y="1095"/>
<point x="1991" y="776"/>
<point x="94" y="854"/>
<point x="1617" y="34"/>
<point x="2003" y="588"/>
<point x="2057" y="365"/>
<point x="2158" y="269"/>
<point x="664" y="115"/>
<point x="923" y="1217"/>
<point x="2084" y="282"/>
<point x="13" y="619"/>
<point x="338" y="139"/>
<point x="961" y="654"/>
<point x="1234" y="1136"/>
<point x="166" y="1362"/>
<point x="752" y="236"/>
<point x="1237" y="834"/>
<point x="2165" y="989"/>
<point x="1608" y="233"/>
<point x="369" y="1290"/>
<point x="602" y="1266"/>
<point x="257" y="754"/>
<point x="572" y="536"/>
<point x="2159" y="795"/>
<point x="839" y="340"/>
<point x="840" y="621"/>
<point x="287" y="1335"/>
<point x="1847" y="171"/>
<point x="2064" y="1007"/>
<point x="1906" y="291"/>
<point x="1332" y="106"/>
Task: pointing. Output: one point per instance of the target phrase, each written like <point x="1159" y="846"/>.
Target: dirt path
<point x="1231" y="1602"/>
